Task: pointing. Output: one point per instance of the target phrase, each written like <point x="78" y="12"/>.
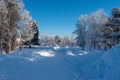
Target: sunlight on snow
<point x="83" y="52"/>
<point x="70" y="53"/>
<point x="56" y="47"/>
<point x="46" y="53"/>
<point x="30" y="59"/>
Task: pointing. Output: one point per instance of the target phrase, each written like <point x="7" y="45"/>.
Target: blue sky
<point x="58" y="17"/>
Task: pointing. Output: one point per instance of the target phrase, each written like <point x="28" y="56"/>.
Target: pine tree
<point x="57" y="40"/>
<point x="35" y="40"/>
<point x="113" y="28"/>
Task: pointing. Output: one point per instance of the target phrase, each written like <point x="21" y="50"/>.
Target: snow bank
<point x="96" y="65"/>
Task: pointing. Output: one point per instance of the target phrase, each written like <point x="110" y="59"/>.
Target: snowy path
<point x="45" y="67"/>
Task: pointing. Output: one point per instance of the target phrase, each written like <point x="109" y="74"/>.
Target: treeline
<point x="47" y="40"/>
<point x="16" y="25"/>
<point x="97" y="31"/>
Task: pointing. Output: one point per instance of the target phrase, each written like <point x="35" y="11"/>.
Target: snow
<point x="49" y="63"/>
<point x="46" y="53"/>
<point x="56" y="48"/>
<point x="70" y="53"/>
<point x="83" y="52"/>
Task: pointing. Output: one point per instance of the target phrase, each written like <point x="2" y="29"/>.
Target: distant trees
<point x="57" y="40"/>
<point x="68" y="41"/>
<point x="47" y="40"/>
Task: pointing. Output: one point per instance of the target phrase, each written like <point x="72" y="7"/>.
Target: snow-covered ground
<point x="56" y="63"/>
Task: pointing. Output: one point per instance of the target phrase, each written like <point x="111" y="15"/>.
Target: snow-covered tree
<point x="13" y="18"/>
<point x="27" y="28"/>
<point x="68" y="41"/>
<point x="35" y="39"/>
<point x="15" y="22"/>
<point x="10" y="17"/>
<point x="81" y="26"/>
<point x="113" y="28"/>
<point x="65" y="41"/>
<point x="47" y="40"/>
<point x="96" y="24"/>
<point x="89" y="29"/>
<point x="3" y="24"/>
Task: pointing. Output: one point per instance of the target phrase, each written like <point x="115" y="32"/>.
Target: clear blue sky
<point x="59" y="16"/>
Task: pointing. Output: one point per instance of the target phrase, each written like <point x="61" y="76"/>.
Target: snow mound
<point x="45" y="53"/>
<point x="56" y="47"/>
<point x="30" y="59"/>
<point x="70" y="53"/>
<point x="83" y="52"/>
<point x="96" y="65"/>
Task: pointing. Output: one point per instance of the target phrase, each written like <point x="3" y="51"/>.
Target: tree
<point x="81" y="26"/>
<point x="89" y="29"/>
<point x="96" y="25"/>
<point x="47" y="40"/>
<point x="27" y="28"/>
<point x="113" y="28"/>
<point x="10" y="17"/>
<point x="3" y="28"/>
<point x="68" y="41"/>
<point x="14" y="9"/>
<point x="57" y="40"/>
<point x="35" y="40"/>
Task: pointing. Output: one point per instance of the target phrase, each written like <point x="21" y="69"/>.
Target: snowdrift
<point x="97" y="65"/>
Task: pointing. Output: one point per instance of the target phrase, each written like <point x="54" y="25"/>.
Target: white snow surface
<point x="51" y="63"/>
<point x="46" y="53"/>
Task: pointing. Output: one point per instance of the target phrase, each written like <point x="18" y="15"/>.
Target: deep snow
<point x="56" y="63"/>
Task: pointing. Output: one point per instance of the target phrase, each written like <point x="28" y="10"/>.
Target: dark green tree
<point x="113" y="28"/>
<point x="35" y="39"/>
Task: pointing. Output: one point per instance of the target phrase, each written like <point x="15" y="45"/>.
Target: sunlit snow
<point x="70" y="53"/>
<point x="45" y="53"/>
